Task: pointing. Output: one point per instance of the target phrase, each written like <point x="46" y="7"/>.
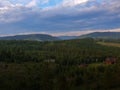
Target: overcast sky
<point x="58" y="17"/>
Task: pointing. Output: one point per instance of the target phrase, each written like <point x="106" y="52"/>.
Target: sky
<point x="59" y="17"/>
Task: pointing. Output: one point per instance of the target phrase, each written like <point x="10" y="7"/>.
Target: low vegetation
<point x="110" y="44"/>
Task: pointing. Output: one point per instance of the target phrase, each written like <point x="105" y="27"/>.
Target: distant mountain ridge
<point x="45" y="37"/>
<point x="35" y="37"/>
<point x="102" y="35"/>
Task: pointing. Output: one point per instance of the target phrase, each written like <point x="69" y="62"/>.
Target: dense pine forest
<point x="59" y="65"/>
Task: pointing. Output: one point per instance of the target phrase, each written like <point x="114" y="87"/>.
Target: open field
<point x="109" y="44"/>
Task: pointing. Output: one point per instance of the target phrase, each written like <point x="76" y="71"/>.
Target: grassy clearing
<point x="109" y="44"/>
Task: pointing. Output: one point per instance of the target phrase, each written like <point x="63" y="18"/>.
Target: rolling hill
<point x="36" y="37"/>
<point x="102" y="35"/>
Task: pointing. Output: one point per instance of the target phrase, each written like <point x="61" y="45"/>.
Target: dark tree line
<point x="74" y="51"/>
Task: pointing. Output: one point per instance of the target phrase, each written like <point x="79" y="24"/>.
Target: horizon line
<point x="72" y="33"/>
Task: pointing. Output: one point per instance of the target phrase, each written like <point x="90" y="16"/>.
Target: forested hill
<point x="36" y="37"/>
<point x="103" y="35"/>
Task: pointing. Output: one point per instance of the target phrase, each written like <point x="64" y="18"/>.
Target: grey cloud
<point x="88" y="16"/>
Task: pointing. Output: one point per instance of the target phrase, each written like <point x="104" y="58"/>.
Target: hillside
<point x="103" y="35"/>
<point x="36" y="37"/>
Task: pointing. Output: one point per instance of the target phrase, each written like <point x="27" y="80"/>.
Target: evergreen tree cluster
<point x="58" y="65"/>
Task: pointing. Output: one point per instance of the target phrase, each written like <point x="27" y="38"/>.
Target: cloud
<point x="33" y="3"/>
<point x="73" y="2"/>
<point x="44" y="1"/>
<point x="67" y="16"/>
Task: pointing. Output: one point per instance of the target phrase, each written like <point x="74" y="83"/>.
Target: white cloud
<point x="4" y="3"/>
<point x="44" y="1"/>
<point x="32" y="3"/>
<point x="73" y="2"/>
